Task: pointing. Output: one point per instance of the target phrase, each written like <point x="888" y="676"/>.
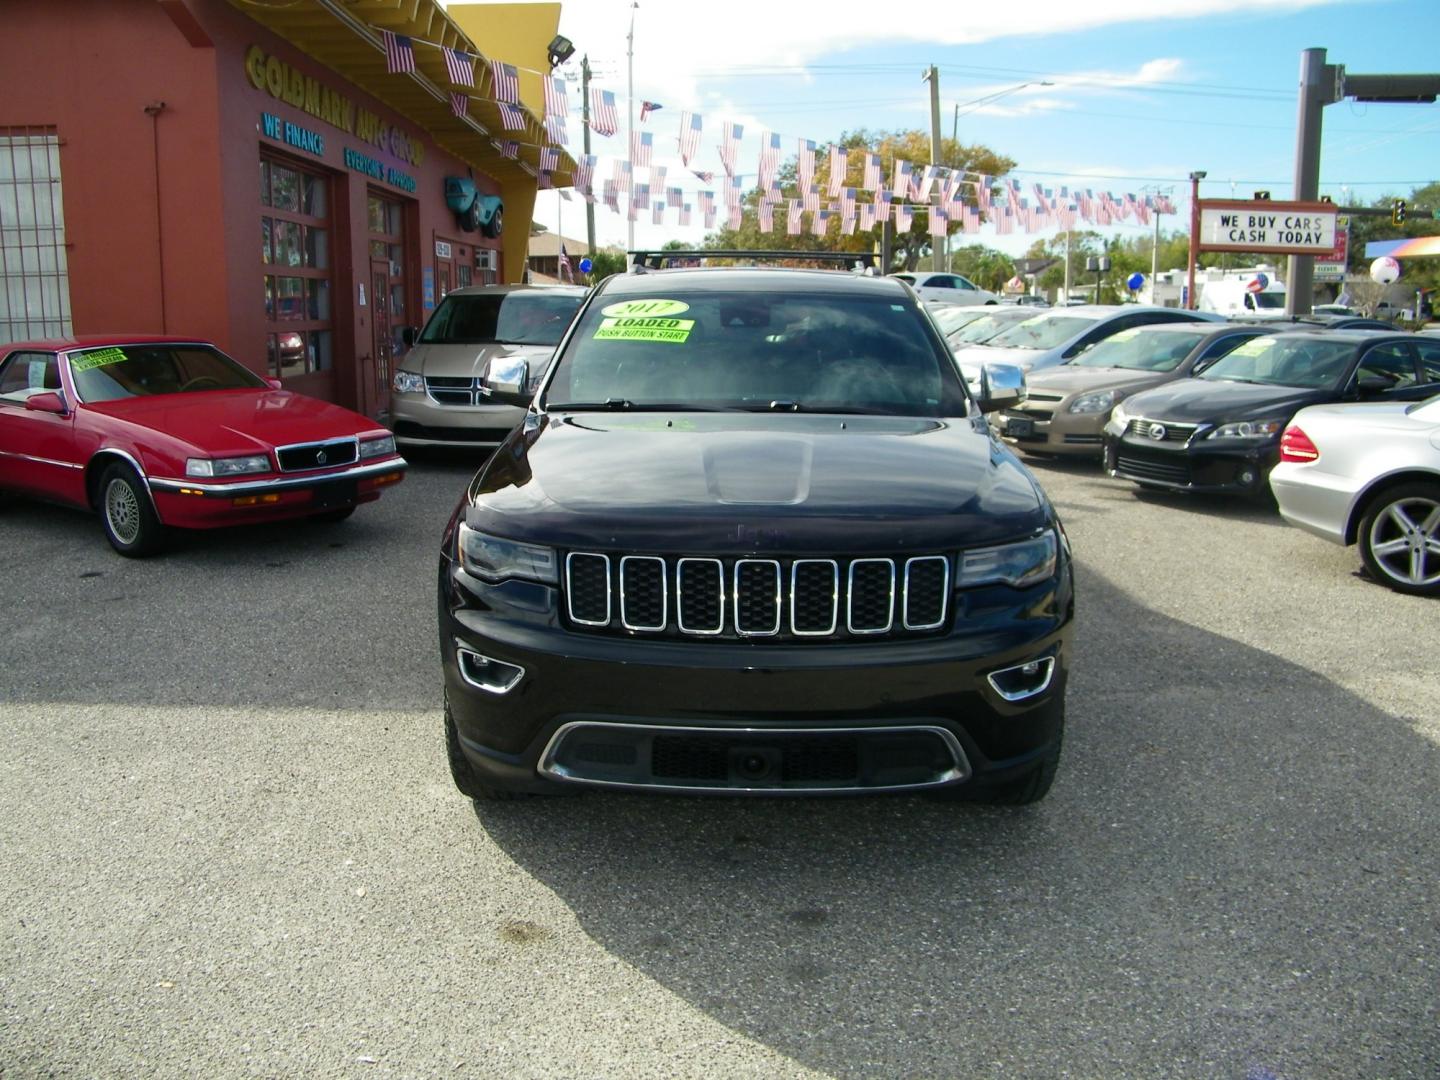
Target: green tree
<point x="909" y="246"/>
<point x="605" y="263"/>
<point x="986" y="267"/>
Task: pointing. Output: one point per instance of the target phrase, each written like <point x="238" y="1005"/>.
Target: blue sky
<point x="1137" y="99"/>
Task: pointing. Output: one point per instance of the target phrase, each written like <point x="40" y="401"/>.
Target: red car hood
<point x="238" y="421"/>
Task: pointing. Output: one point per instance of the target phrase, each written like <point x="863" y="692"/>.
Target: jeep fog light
<point x="1023" y="680"/>
<point x="485" y="673"/>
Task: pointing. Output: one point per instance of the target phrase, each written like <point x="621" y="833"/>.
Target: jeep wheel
<point x="464" y="776"/>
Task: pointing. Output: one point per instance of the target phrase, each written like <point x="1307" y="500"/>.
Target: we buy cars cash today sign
<point x="1284" y="228"/>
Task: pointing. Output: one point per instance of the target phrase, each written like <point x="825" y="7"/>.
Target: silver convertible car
<point x="1368" y="474"/>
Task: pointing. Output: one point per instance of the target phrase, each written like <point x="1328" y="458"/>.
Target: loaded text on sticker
<point x="645" y="307"/>
<point x="676" y="331"/>
<point x="99" y="358"/>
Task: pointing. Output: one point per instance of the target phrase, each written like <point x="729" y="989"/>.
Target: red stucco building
<point x="248" y="173"/>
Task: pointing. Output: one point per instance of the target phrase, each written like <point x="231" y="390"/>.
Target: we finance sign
<point x="1284" y="228"/>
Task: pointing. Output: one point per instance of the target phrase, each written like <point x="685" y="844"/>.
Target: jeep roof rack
<point x="649" y="259"/>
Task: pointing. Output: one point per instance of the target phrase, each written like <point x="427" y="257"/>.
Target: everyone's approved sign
<point x="1290" y="228"/>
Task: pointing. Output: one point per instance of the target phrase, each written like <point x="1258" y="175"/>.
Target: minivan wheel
<point x="1400" y="538"/>
<point x="126" y="515"/>
<point x="464" y="776"/>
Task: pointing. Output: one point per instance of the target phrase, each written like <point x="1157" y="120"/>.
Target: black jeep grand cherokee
<point x="754" y="536"/>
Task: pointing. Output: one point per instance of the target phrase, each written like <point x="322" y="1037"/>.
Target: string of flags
<point x="936" y="192"/>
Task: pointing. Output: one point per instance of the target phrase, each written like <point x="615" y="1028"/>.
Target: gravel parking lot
<point x="229" y="844"/>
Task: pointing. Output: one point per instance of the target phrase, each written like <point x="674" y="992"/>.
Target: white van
<point x="1234" y="296"/>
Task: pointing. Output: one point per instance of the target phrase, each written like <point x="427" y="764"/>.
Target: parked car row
<point x="1211" y="406"/>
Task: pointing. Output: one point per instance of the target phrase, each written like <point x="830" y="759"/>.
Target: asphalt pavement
<point x="229" y="845"/>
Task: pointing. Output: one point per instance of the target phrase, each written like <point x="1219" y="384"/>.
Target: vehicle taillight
<point x="1295" y="445"/>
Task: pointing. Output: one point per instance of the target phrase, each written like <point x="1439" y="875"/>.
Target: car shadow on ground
<point x="1227" y="831"/>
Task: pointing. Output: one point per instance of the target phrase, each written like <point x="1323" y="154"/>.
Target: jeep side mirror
<point x="49" y="401"/>
<point x="507" y="382"/>
<point x="1001" y="385"/>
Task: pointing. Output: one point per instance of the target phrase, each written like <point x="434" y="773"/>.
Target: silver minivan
<point x="436" y="397"/>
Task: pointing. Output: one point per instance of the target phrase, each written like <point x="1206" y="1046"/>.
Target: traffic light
<point x="1397" y="212"/>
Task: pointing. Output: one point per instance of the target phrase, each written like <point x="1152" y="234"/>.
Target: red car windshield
<point x="125" y="371"/>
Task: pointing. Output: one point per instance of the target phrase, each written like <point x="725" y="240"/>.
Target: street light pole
<point x="937" y="254"/>
<point x="1195" y="178"/>
<point x="585" y="123"/>
<point x="630" y="126"/>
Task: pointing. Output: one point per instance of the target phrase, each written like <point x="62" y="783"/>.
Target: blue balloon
<point x="586" y="266"/>
<point x="1135" y="281"/>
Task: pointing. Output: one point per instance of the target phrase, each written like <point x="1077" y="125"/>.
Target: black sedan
<point x="1220" y="431"/>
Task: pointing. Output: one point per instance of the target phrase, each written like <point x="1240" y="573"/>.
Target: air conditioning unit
<point x="487" y="259"/>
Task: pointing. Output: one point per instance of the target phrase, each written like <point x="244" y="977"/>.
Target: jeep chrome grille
<point x="757" y="597"/>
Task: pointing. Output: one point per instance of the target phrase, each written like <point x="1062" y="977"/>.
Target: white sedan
<point x="1368" y="475"/>
<point x="945" y="288"/>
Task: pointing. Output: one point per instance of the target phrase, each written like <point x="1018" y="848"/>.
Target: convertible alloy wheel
<point x="1400" y="539"/>
<point x="126" y="514"/>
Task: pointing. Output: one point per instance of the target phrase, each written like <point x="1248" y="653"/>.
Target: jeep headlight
<point x="408" y="382"/>
<point x="1098" y="402"/>
<point x="1249" y="429"/>
<point x="493" y="559"/>
<point x="230" y="466"/>
<point x="1019" y="564"/>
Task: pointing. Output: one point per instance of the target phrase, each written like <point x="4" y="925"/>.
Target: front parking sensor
<point x="1023" y="680"/>
<point x="485" y="673"/>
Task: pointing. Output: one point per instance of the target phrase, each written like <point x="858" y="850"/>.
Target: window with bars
<point x="34" y="276"/>
<point x="295" y="250"/>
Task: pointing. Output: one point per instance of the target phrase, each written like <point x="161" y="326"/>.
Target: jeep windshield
<point x="515" y="318"/>
<point x="695" y="349"/>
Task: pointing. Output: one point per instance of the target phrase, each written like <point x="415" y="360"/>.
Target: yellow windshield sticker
<point x="645" y="307"/>
<point x="97" y="358"/>
<point x="675" y="331"/>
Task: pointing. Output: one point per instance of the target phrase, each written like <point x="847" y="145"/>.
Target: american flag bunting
<point x="873" y="179"/>
<point x="900" y="184"/>
<point x="685" y="215"/>
<point x="765" y="213"/>
<point x="792" y="218"/>
<point x="555" y="128"/>
<point x="674" y="197"/>
<point x="641" y="144"/>
<point x="399" y="53"/>
<point x="603" y="118"/>
<point x="657" y="213"/>
<point x="939" y="221"/>
<point x="640" y="196"/>
<point x="511" y="117"/>
<point x="549" y="158"/>
<point x="805" y="162"/>
<point x="839" y="164"/>
<point x="584" y="172"/>
<point x="903" y="217"/>
<point x="730" y="136"/>
<point x="769" y="157"/>
<point x="867" y="216"/>
<point x="506" y="81"/>
<point x="690" y="128"/>
<point x="460" y="66"/>
<point x="623" y="175"/>
<point x="556" y="101"/>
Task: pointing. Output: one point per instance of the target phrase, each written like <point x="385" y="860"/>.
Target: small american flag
<point x="657" y="213"/>
<point x="707" y="202"/>
<point x="640" y="197"/>
<point x="510" y="149"/>
<point x="939" y="221"/>
<point x="549" y="158"/>
<point x="733" y="191"/>
<point x="507" y="82"/>
<point x="674" y="196"/>
<point x="690" y="126"/>
<point x="546" y="180"/>
<point x="792" y="218"/>
<point x="512" y="117"/>
<point x="735" y="218"/>
<point x="810" y="196"/>
<point x="459" y="103"/>
<point x="882" y="203"/>
<point x="647" y="107"/>
<point x="873" y="180"/>
<point x="565" y="194"/>
<point x="819" y="222"/>
<point x="847" y="226"/>
<point x="705" y="177"/>
<point x="399" y="53"/>
<point x="766" y="213"/>
<point x="847" y="202"/>
<point x="657" y="176"/>
<point x="612" y="196"/>
<point x="805" y="162"/>
<point x="585" y="172"/>
<point x="839" y="163"/>
<point x="900" y="183"/>
<point x="555" y="128"/>
<point x="623" y="175"/>
<point x="902" y="218"/>
<point x="685" y="215"/>
<point x="603" y="118"/>
<point x="460" y="66"/>
<point x="556" y="103"/>
<point x="709" y="213"/>
<point x="641" y="143"/>
<point x="769" y="157"/>
<point x="867" y="216"/>
<point x="730" y="136"/>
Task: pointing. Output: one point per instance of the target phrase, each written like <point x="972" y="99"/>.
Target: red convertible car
<point x="162" y="432"/>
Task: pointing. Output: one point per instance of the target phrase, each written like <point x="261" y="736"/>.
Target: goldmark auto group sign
<point x="1285" y="228"/>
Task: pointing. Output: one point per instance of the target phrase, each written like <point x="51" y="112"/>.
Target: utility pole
<point x="933" y="76"/>
<point x="585" y="123"/>
<point x="1067" y="265"/>
<point x="1195" y="178"/>
<point x="1314" y="96"/>
<point x="630" y="124"/>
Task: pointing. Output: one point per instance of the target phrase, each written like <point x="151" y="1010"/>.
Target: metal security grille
<point x="791" y="599"/>
<point x="34" y="275"/>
